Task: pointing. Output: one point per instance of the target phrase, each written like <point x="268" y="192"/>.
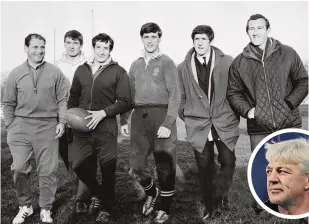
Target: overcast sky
<point x="123" y="20"/>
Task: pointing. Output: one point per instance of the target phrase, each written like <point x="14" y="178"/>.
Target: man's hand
<point x="96" y="117"/>
<point x="125" y="130"/>
<point x="59" y="130"/>
<point x="251" y="113"/>
<point x="163" y="132"/>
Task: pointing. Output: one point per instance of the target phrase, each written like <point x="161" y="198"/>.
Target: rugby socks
<point x="150" y="190"/>
<point x="166" y="200"/>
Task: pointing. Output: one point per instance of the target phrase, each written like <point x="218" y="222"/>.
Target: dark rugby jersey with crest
<point x="156" y="83"/>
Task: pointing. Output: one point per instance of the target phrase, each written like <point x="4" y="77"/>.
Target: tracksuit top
<point x="47" y="99"/>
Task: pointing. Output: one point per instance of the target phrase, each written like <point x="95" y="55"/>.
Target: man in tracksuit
<point x="208" y="116"/>
<point x="155" y="90"/>
<point x="102" y="87"/>
<point x="35" y="99"/>
<point x="68" y="63"/>
<point x="267" y="83"/>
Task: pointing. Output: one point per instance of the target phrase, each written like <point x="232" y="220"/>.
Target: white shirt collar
<point x="157" y="54"/>
<point x="207" y="55"/>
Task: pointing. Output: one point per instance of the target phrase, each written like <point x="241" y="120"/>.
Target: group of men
<point x="209" y="91"/>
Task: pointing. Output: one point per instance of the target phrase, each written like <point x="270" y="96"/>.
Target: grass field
<point x="186" y="206"/>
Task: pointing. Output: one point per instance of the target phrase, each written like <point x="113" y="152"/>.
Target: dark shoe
<point x="95" y="206"/>
<point x="103" y="216"/>
<point x="81" y="207"/>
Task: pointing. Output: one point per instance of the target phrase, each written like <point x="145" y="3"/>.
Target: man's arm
<point x="62" y="95"/>
<point x="182" y="93"/>
<point x="9" y="100"/>
<point x="236" y="93"/>
<point x="75" y="92"/>
<point x="125" y="116"/>
<point x="299" y="78"/>
<point x="123" y="96"/>
<point x="173" y="88"/>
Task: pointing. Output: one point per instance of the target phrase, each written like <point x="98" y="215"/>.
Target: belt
<point x="145" y="106"/>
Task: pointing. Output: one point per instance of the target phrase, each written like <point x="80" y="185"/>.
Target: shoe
<point x="224" y="203"/>
<point x="23" y="214"/>
<point x="150" y="203"/>
<point x="81" y="207"/>
<point x="161" y="217"/>
<point x="103" y="216"/>
<point x="45" y="216"/>
<point x="95" y="206"/>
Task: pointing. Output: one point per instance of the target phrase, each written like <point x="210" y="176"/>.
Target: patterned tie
<point x="204" y="64"/>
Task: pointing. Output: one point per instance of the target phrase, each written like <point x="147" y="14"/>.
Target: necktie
<point x="204" y="64"/>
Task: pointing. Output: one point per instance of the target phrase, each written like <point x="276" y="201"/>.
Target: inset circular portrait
<point x="278" y="173"/>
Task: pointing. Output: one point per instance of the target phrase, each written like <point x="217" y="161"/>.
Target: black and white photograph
<point x="146" y="111"/>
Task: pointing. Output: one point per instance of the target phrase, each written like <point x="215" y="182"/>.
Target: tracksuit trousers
<point x="32" y="136"/>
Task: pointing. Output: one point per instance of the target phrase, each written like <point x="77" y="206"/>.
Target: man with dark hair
<point x="267" y="83"/>
<point x="155" y="91"/>
<point x="208" y="116"/>
<point x="70" y="60"/>
<point x="34" y="100"/>
<point x="102" y="87"/>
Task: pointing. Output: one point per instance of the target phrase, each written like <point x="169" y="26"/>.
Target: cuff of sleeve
<point x="290" y="105"/>
<point x="247" y="112"/>
<point x="106" y="111"/>
<point x="180" y="113"/>
<point x="62" y="120"/>
<point x="168" y="122"/>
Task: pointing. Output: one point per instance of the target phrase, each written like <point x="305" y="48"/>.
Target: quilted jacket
<point x="275" y="87"/>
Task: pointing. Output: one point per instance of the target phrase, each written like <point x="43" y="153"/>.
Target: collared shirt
<point x="155" y="55"/>
<point x="207" y="55"/>
<point x="37" y="66"/>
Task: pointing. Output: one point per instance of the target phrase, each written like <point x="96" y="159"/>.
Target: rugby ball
<point x="75" y="119"/>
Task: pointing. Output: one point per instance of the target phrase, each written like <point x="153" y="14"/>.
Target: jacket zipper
<point x="93" y="83"/>
<point x="271" y="109"/>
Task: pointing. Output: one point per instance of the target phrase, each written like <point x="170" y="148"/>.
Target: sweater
<point x="108" y="91"/>
<point x="48" y="101"/>
<point x="155" y="83"/>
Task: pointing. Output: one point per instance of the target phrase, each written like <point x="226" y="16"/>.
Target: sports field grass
<point x="129" y="197"/>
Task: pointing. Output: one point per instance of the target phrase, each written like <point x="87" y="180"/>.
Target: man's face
<point x="36" y="50"/>
<point x="285" y="182"/>
<point x="201" y="43"/>
<point x="101" y="51"/>
<point x="257" y="32"/>
<point x="151" y="41"/>
<point x="72" y="47"/>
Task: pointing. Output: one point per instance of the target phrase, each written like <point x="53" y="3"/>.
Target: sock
<point x="150" y="190"/>
<point x="166" y="200"/>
